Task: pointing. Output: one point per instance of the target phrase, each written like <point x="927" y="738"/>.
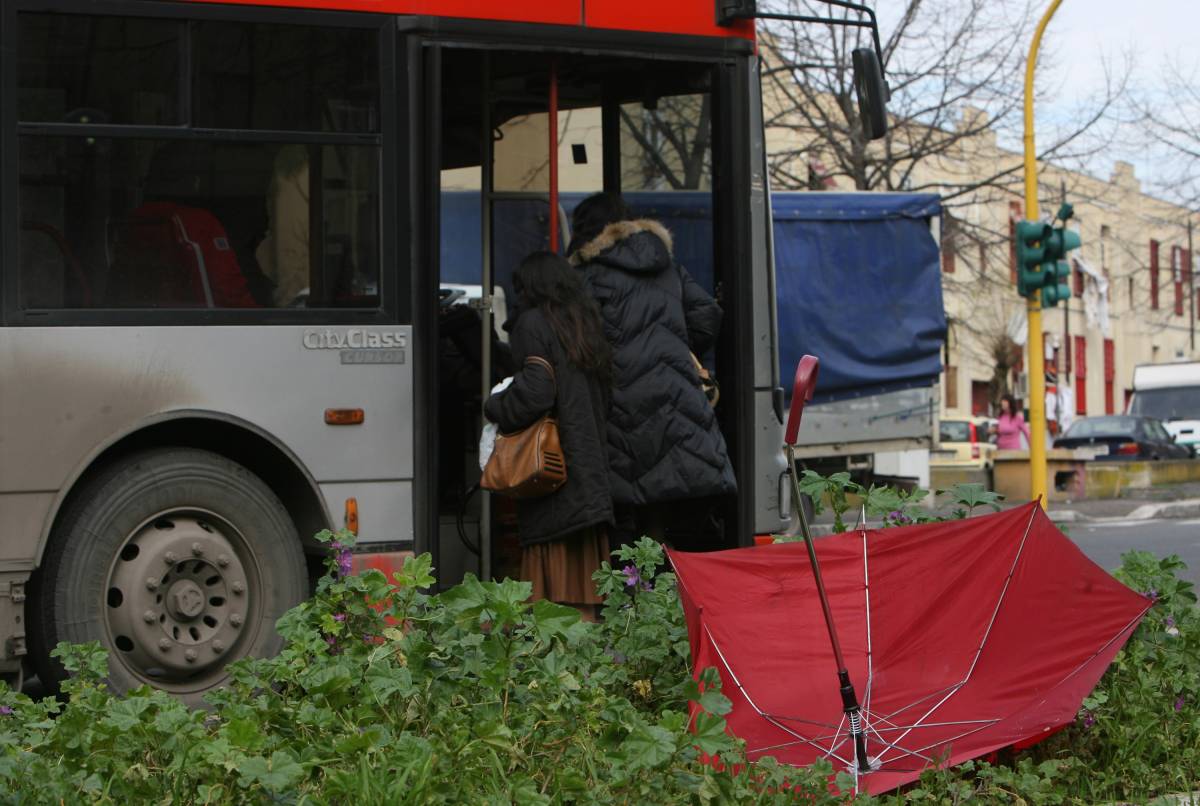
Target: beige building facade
<point x="1133" y="297"/>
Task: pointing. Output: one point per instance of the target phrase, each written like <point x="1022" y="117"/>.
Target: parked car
<point x="1123" y="436"/>
<point x="964" y="443"/>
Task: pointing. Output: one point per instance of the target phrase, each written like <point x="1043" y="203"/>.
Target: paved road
<point x="1106" y="542"/>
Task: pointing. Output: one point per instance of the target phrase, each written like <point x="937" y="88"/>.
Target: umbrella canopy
<point x="961" y="638"/>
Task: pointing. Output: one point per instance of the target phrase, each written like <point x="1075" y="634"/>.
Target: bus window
<point x="185" y="223"/>
<point x="209" y="219"/>
<point x="85" y="69"/>
<point x="318" y="79"/>
<point x="666" y="144"/>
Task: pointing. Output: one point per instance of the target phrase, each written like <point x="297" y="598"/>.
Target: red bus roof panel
<point x="691" y="17"/>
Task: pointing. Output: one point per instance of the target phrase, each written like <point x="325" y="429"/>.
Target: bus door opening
<point x="639" y="127"/>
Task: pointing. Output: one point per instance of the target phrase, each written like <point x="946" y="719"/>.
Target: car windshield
<point x="1102" y="427"/>
<point x="955" y="431"/>
<point x="1173" y="403"/>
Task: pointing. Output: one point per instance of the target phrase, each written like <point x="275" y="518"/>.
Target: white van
<point x="1171" y="393"/>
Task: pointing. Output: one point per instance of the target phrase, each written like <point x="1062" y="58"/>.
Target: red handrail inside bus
<point x="553" y="126"/>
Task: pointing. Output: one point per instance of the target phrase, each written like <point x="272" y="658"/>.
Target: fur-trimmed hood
<point x="639" y="245"/>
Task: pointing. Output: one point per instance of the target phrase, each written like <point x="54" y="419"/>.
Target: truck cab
<point x="1171" y="393"/>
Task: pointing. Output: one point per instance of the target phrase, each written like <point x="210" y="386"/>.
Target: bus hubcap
<point x="180" y="598"/>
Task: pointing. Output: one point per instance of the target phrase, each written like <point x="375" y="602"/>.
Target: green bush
<point x="470" y="696"/>
<point x="475" y="696"/>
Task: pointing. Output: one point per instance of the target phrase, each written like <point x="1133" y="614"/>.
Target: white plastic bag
<point x="487" y="439"/>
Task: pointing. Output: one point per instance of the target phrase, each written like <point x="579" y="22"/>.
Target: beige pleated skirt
<point x="561" y="570"/>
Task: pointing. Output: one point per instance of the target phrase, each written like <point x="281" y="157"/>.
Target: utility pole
<point x="1037" y="352"/>
<point x="1192" y="292"/>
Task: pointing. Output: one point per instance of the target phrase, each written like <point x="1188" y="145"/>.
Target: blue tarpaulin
<point x="858" y="283"/>
<point x="858" y="278"/>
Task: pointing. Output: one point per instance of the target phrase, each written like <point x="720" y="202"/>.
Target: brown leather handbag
<point x="528" y="463"/>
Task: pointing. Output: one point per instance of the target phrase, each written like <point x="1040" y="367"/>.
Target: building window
<point x="1110" y="375"/>
<point x="1177" y="277"/>
<point x="1014" y="215"/>
<point x="1154" y="275"/>
<point x="949" y="243"/>
<point x="1081" y="375"/>
<point x="981" y="398"/>
<point x="1104" y="236"/>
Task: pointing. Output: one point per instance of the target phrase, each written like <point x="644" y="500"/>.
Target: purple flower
<point x="646" y="586"/>
<point x="1179" y="703"/>
<point x="6" y="710"/>
<point x="1089" y="719"/>
<point x="895" y="515"/>
<point x="1152" y="594"/>
<point x="1170" y="622"/>
<point x="339" y="616"/>
<point x="345" y="562"/>
<point x="631" y="575"/>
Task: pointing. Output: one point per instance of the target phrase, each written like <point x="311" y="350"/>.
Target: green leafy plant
<point x="388" y="693"/>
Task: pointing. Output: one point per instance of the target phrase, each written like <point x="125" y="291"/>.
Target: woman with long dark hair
<point x="564" y="535"/>
<point x="664" y="442"/>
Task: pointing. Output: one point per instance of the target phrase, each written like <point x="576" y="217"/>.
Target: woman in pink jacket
<point x="1011" y="426"/>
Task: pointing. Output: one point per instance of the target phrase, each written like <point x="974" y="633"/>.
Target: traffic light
<point x="1041" y="252"/>
<point x="1056" y="270"/>
<point x="1055" y="288"/>
<point x="1031" y="253"/>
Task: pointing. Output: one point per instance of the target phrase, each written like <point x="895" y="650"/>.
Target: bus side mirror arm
<point x="869" y="82"/>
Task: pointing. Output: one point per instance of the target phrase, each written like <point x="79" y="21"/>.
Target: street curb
<point x="1187" y="508"/>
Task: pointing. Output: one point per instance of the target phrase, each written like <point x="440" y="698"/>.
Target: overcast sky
<point x="1085" y="33"/>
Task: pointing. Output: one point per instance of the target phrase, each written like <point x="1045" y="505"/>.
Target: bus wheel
<point x="178" y="561"/>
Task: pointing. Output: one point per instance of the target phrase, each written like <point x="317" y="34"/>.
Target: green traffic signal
<point x="1040" y="250"/>
<point x="1055" y="289"/>
<point x="1031" y="253"/>
<point x="1059" y="242"/>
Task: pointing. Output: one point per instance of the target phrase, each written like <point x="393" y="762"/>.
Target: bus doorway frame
<point x="733" y="67"/>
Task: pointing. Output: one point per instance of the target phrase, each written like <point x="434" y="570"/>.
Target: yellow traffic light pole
<point x="1033" y="338"/>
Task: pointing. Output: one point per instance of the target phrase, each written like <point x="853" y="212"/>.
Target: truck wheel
<point x="178" y="561"/>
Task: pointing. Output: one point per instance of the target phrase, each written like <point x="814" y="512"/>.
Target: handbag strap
<point x="538" y="361"/>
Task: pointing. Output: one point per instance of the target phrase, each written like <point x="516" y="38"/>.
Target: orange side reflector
<point x="344" y="416"/>
<point x="352" y="515"/>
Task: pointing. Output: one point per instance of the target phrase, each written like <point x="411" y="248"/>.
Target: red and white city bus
<point x="222" y="321"/>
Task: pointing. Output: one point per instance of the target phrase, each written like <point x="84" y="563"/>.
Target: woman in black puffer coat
<point x="564" y="535"/>
<point x="664" y="443"/>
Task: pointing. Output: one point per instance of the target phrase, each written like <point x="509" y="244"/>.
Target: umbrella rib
<point x="825" y="751"/>
<point x="738" y="683"/>
<point x="946" y="724"/>
<point x="787" y="718"/>
<point x="948" y="741"/>
<point x="915" y="703"/>
<point x="987" y="633"/>
<point x="867" y="603"/>
<point x="1003" y="593"/>
<point x="1107" y="644"/>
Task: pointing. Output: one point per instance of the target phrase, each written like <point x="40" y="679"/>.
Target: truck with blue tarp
<point x="858" y="283"/>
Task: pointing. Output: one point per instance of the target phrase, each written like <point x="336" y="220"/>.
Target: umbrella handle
<point x="803" y="386"/>
<point x="849" y="698"/>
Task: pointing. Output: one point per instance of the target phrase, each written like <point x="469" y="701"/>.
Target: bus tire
<point x="178" y="561"/>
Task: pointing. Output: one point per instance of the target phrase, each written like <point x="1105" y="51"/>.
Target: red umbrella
<point x="963" y="637"/>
